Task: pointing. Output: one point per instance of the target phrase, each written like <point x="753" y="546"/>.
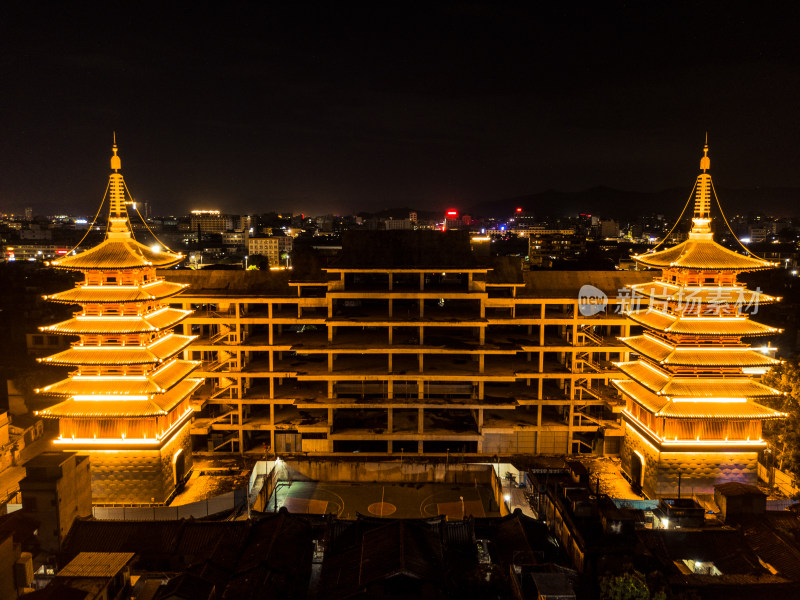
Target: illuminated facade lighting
<point x="130" y="390"/>
<point x="691" y="402"/>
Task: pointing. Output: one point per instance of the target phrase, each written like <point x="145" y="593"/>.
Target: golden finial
<point x="705" y="161"/>
<point x="116" y="163"/>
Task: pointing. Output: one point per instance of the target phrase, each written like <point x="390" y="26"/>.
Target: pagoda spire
<point x="702" y="199"/>
<point x="118" y="223"/>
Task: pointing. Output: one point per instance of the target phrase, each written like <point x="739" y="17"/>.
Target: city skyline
<point x="333" y="110"/>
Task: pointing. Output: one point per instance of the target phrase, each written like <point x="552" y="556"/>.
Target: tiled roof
<point x="695" y="387"/>
<point x="668" y="323"/>
<point x="718" y="410"/>
<point x="117" y="254"/>
<point x="156" y="321"/>
<point x="697" y="356"/>
<point x="157" y="405"/>
<point x="702" y="254"/>
<point x="158" y="352"/>
<point x="160" y="380"/>
<point x="641" y="395"/>
<point x="662" y="290"/>
<point x="96" y="564"/>
<point x="117" y="294"/>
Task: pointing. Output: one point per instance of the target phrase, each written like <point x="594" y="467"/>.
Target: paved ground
<point x="398" y="500"/>
<point x="200" y="487"/>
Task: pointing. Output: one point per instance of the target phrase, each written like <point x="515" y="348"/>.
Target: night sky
<point x="345" y="107"/>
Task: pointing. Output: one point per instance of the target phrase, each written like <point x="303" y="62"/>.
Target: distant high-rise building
<point x="210" y="221"/>
<point x="28" y="213"/>
<point x="691" y="415"/>
<point x="126" y="400"/>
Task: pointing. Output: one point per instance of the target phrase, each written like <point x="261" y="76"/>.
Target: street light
<point x="245" y="262"/>
<point x="463" y="510"/>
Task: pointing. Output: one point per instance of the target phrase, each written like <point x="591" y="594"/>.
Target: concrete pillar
<point x="420" y="421"/>
<point x="390" y="421"/>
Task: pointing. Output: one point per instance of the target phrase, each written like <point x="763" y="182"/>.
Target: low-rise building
<point x="56" y="490"/>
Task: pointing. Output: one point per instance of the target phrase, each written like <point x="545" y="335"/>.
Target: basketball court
<point x="396" y="500"/>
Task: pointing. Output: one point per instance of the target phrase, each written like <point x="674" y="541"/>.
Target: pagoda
<point x="126" y="402"/>
<point x="692" y="414"/>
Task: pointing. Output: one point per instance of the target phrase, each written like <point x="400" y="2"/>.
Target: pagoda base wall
<point x="700" y="471"/>
<point x="134" y="476"/>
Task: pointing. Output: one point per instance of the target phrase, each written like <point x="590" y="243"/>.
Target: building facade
<point x="126" y="402"/>
<point x="405" y="361"/>
<point x="692" y="416"/>
<point x="273" y="247"/>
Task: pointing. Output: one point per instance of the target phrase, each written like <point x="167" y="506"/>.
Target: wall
<point x="700" y="471"/>
<point x="388" y="471"/>
<point x="138" y="476"/>
<point x="7" y="559"/>
<point x="519" y="442"/>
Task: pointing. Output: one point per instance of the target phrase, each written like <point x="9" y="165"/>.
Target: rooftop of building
<point x="96" y="564"/>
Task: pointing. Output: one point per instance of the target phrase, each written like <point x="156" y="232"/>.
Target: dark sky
<point x="339" y="107"/>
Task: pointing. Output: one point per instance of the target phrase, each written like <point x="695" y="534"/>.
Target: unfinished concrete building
<point x="405" y="360"/>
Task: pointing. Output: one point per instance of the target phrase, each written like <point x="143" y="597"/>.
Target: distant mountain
<point x="605" y="201"/>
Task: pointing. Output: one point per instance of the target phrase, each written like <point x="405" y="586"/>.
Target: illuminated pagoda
<point x="692" y="414"/>
<point x="126" y="403"/>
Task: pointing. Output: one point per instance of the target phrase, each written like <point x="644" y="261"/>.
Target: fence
<point x="783" y="481"/>
<point x="196" y="510"/>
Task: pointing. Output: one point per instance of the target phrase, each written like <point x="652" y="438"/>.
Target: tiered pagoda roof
<point x="129" y="378"/>
<point x="694" y="361"/>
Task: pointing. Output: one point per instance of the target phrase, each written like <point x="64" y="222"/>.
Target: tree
<point x="784" y="436"/>
<point x="628" y="586"/>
